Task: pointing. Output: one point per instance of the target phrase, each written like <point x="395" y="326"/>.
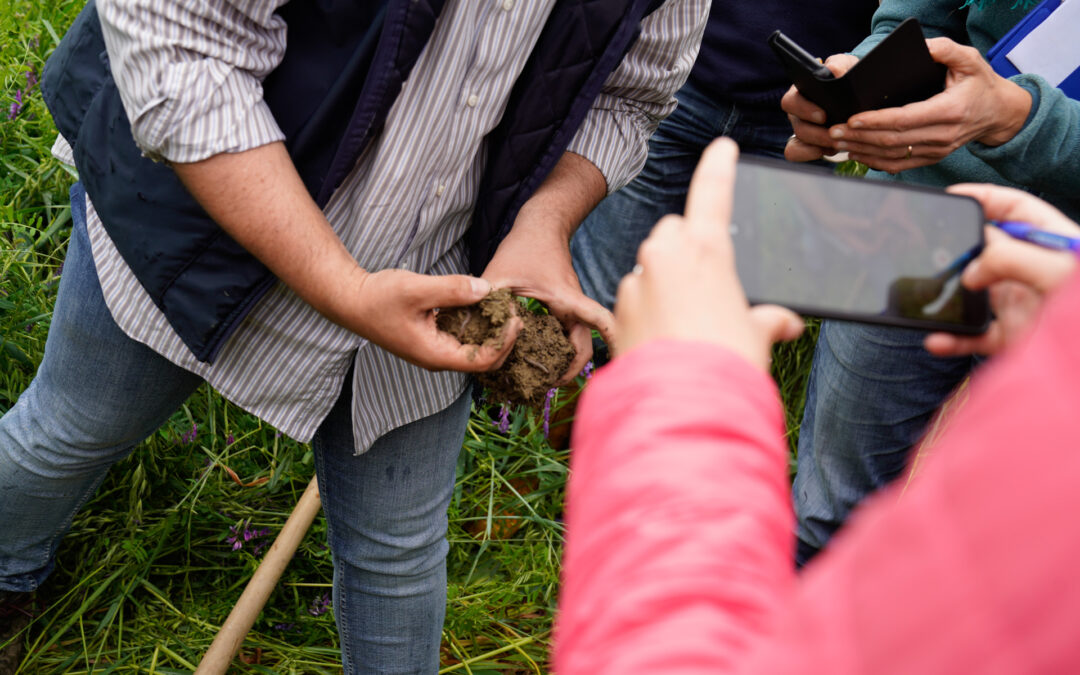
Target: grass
<point x="148" y="574"/>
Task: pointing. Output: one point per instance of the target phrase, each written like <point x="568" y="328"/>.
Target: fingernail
<point x="480" y="286"/>
<point x="841" y="145"/>
<point x="818" y="117"/>
<point x="836" y="132"/>
<point x="855" y="124"/>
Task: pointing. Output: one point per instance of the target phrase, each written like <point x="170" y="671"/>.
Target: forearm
<point x="574" y="187"/>
<point x="257" y="197"/>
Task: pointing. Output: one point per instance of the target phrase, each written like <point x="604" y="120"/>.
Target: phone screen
<point x="858" y="249"/>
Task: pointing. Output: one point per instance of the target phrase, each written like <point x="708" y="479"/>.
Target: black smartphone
<point x="790" y="53"/>
<point x="856" y="249"/>
<point x="897" y="71"/>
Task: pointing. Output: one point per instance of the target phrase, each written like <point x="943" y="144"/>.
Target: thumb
<point x="841" y="63"/>
<point x="775" y="323"/>
<point x="952" y="54"/>
<point x="453" y="290"/>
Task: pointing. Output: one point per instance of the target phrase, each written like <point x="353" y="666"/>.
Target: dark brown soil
<point x="541" y="354"/>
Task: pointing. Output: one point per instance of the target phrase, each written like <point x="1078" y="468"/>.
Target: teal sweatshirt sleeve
<point x="938" y="19"/>
<point x="1045" y="155"/>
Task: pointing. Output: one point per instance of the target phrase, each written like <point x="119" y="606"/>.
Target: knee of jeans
<point x="54" y="439"/>
<point x="398" y="547"/>
<point x="867" y="349"/>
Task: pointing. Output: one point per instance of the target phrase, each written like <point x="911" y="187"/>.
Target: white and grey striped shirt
<point x="189" y="75"/>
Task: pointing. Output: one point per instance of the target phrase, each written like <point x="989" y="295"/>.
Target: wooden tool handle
<point x="217" y="659"/>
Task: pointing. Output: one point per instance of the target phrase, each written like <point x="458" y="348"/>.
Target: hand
<point x="811" y="140"/>
<point x="977" y="105"/>
<point x="1017" y="274"/>
<point x="396" y="311"/>
<point x="687" y="288"/>
<point x="534" y="261"/>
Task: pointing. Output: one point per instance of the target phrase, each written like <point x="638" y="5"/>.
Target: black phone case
<point x="977" y="311"/>
<point x="897" y="71"/>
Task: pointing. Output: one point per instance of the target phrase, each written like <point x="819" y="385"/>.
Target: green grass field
<point x="148" y="574"/>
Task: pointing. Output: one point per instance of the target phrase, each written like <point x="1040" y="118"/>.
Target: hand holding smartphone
<point x="845" y="248"/>
<point x="898" y="71"/>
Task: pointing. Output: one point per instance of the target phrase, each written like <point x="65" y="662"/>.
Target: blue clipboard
<point x="997" y="55"/>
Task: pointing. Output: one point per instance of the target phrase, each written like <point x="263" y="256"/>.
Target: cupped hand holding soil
<point x="541" y="353"/>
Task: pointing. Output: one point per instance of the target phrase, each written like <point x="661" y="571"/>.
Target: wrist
<point x="347" y="304"/>
<point x="546" y="220"/>
<point x="1014" y="106"/>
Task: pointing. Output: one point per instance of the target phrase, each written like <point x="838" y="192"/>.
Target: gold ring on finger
<point x="908" y="155"/>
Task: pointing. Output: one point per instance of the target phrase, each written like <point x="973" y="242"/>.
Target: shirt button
<point x="472" y="101"/>
<point x="508" y="5"/>
<point x="439" y="190"/>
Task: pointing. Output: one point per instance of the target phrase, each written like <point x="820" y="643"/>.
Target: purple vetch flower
<point x="191" y="435"/>
<point x="16" y="105"/>
<point x="504" y="418"/>
<point x="319" y="606"/>
<point x="587" y="372"/>
<point x="229" y="440"/>
<point x="286" y="627"/>
<point x="242" y="533"/>
<point x="235" y="538"/>
<point x="547" y="410"/>
<point x="31" y="78"/>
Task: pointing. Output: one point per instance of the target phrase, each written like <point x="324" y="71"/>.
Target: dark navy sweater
<point x="737" y="65"/>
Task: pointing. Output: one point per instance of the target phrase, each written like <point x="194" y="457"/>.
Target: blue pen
<point x="1029" y="233"/>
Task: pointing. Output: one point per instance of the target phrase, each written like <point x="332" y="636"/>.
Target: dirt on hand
<point x="541" y="354"/>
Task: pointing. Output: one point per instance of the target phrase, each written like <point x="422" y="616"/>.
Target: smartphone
<point x="793" y="55"/>
<point x="856" y="249"/>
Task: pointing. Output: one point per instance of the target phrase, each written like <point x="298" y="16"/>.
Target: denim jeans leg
<point x="761" y="131"/>
<point x="96" y="394"/>
<point x="386" y="511"/>
<point x="872" y="392"/>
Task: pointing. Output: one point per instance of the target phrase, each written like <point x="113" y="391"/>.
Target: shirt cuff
<point x="232" y="117"/>
<point x="615" y="139"/>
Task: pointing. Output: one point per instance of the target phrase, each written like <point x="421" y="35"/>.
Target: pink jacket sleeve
<point x="678" y="554"/>
<point x="679" y="480"/>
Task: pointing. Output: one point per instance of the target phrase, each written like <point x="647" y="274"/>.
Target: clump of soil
<point x="541" y="354"/>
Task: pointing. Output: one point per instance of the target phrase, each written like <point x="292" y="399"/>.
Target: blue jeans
<point x="872" y="392"/>
<point x="98" y="393"/>
<point x="605" y="246"/>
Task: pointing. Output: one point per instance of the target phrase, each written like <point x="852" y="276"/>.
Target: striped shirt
<point x="189" y="76"/>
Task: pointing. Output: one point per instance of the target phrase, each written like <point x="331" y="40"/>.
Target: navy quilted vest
<point x="202" y="280"/>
